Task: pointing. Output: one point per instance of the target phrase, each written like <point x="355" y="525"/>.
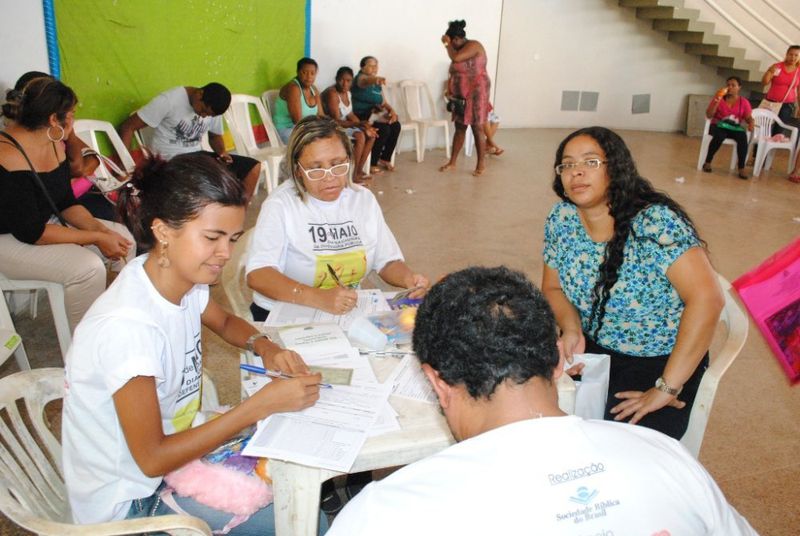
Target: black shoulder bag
<point x="36" y="176"/>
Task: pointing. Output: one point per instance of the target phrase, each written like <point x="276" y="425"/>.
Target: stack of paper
<point x="288" y="314"/>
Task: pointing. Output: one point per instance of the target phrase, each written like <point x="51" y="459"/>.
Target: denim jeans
<point x="262" y="523"/>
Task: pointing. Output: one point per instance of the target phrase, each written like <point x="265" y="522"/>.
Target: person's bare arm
<point x="129" y="127"/>
<point x="271" y="283"/>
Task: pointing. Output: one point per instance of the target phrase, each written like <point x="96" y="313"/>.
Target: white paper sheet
<point x="409" y="381"/>
<point x="329" y="434"/>
<point x="287" y="314"/>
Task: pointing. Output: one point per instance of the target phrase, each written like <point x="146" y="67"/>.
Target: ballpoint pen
<point x="275" y="374"/>
<point x="334" y="276"/>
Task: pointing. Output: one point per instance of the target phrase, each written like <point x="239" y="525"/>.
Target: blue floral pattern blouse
<point x="643" y="311"/>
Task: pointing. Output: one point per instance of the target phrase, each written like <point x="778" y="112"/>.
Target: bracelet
<point x="296" y="291"/>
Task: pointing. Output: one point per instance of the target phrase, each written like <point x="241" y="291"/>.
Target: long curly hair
<point x="628" y="194"/>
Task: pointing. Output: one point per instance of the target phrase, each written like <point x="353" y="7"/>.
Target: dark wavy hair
<point x="455" y="28"/>
<point x="175" y="192"/>
<point x="482" y="326"/>
<point x="41" y="97"/>
<point x="628" y="194"/>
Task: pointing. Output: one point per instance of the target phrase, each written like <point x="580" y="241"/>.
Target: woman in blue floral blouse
<point x="627" y="275"/>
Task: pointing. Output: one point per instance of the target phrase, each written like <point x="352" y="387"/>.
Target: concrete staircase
<point x="682" y="26"/>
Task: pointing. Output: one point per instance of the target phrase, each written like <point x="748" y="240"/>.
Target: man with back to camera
<point x="180" y="117"/>
<point x="487" y="341"/>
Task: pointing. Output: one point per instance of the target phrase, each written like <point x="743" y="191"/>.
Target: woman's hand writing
<point x="338" y="300"/>
<point x="290" y="394"/>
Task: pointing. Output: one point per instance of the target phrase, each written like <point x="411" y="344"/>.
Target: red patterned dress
<point x="469" y="81"/>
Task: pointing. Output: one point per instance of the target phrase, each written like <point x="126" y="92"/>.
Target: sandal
<point x="707" y="167"/>
<point x="743" y="174"/>
<point x="794" y="178"/>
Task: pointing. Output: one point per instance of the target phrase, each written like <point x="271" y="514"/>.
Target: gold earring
<point x="163" y="261"/>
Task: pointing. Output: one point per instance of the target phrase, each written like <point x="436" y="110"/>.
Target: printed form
<point x="287" y="314"/>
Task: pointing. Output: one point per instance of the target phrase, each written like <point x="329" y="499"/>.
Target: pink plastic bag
<point x="80" y="186"/>
<point x="771" y="294"/>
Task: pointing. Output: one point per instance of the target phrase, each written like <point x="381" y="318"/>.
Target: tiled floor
<point x="448" y="221"/>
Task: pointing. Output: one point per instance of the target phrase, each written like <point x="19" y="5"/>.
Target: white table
<point x="424" y="432"/>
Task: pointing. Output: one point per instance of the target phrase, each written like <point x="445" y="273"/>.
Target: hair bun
<point x="461" y="24"/>
<point x="13" y="105"/>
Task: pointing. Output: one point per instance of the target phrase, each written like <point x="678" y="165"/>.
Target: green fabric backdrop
<point x="119" y="55"/>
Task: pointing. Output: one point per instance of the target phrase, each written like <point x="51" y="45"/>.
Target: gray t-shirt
<point x="178" y="129"/>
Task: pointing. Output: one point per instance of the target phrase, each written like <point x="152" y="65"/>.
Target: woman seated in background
<point x="320" y="222"/>
<point x="134" y="370"/>
<point x="338" y="105"/>
<point x="727" y="111"/>
<point x="42" y="227"/>
<point x="297" y="99"/>
<point x="369" y="102"/>
<point x="627" y="275"/>
<point x="79" y="166"/>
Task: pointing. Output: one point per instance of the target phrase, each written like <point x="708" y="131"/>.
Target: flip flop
<point x="794" y="178"/>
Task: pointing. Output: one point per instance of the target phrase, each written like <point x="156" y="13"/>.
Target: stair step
<point x="658" y="12"/>
<point x="746" y="76"/>
<point x="671" y="25"/>
<point x="717" y="61"/>
<point x="701" y="49"/>
<point x="686" y="37"/>
<point x="638" y="3"/>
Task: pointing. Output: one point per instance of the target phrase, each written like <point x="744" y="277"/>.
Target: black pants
<point x="718" y="135"/>
<point x="631" y="373"/>
<point x="785" y="114"/>
<point x="386" y="141"/>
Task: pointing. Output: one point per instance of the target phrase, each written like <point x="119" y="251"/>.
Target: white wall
<point x="404" y="36"/>
<point x="549" y="46"/>
<point x="763" y="32"/>
<point x="22" y="41"/>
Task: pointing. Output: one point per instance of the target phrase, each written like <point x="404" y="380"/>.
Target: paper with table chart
<point x="329" y="434"/>
<point x="288" y="314"/>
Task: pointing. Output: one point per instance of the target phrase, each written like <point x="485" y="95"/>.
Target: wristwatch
<point x="661" y="385"/>
<point x="252" y="339"/>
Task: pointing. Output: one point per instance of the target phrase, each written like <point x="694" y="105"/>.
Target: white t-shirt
<point x="557" y="475"/>
<point x="178" y="129"/>
<point x="131" y="330"/>
<point x="299" y="239"/>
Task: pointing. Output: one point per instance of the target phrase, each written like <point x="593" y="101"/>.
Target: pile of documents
<point x="330" y="434"/>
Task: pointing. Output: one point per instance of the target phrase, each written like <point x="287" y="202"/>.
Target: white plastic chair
<point x="87" y="130"/>
<point x="736" y="324"/>
<point x="764" y="120"/>
<point x="416" y="96"/>
<point x="55" y="295"/>
<point x="706" y="141"/>
<point x="239" y="294"/>
<point x="32" y="491"/>
<point x="268" y="98"/>
<point x="393" y="94"/>
<point x="10" y="341"/>
<point x="238" y="117"/>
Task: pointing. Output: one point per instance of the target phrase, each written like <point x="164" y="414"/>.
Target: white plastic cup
<point x="365" y="334"/>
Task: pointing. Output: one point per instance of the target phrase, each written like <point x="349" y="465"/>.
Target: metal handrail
<point x="782" y="13"/>
<point x="746" y="33"/>
<point x="763" y="22"/>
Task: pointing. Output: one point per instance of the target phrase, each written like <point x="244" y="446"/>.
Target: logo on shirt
<point x="575" y="474"/>
<point x="334" y="236"/>
<point x="583" y="495"/>
<point x="188" y="133"/>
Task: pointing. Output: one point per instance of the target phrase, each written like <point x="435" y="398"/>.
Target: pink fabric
<point x="741" y="108"/>
<point x="80" y="186"/>
<point x="221" y="488"/>
<point x="780" y="85"/>
<point x="469" y="80"/>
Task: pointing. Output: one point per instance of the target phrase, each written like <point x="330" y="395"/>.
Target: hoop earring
<point x="163" y="261"/>
<point x="61" y="137"/>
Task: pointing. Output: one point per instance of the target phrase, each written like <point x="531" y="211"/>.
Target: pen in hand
<point x="334" y="276"/>
<point x="275" y="374"/>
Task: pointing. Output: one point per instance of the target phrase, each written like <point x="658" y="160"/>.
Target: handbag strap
<point x="36" y="176"/>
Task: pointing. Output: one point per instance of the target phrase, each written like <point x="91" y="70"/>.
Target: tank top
<point x="281" y="116"/>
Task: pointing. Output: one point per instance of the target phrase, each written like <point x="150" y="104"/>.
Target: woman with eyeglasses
<point x="627" y="275"/>
<point x="318" y="222"/>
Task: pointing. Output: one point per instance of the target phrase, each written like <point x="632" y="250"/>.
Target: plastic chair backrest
<point x="736" y="324"/>
<point x="417" y="96"/>
<point x="32" y="490"/>
<point x="268" y="98"/>
<point x="240" y="108"/>
<point x="393" y="94"/>
<point x="233" y="278"/>
<point x="763" y="122"/>
<point x="87" y="129"/>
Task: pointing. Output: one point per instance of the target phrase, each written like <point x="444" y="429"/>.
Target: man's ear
<point x="559" y="369"/>
<point x="443" y="391"/>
